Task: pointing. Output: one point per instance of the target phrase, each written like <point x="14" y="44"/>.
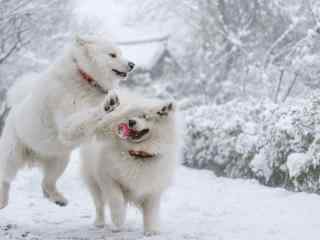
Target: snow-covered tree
<point x="240" y="48"/>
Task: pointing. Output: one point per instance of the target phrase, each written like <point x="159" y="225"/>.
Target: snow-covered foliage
<point x="277" y="144"/>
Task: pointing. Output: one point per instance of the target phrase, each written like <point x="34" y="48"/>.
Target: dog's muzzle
<point x="128" y="133"/>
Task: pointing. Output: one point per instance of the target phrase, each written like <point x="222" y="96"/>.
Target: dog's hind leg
<point x="98" y="200"/>
<point x="4" y="194"/>
<point x="11" y="160"/>
<point x="53" y="168"/>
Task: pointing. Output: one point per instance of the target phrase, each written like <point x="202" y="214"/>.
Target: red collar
<point x="87" y="77"/>
<point x="141" y="154"/>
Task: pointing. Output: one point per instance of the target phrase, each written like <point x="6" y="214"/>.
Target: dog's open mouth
<point x="137" y="135"/>
<point x="125" y="132"/>
<point x="119" y="73"/>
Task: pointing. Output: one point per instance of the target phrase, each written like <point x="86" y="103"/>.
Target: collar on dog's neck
<point x="85" y="76"/>
<point x="141" y="154"/>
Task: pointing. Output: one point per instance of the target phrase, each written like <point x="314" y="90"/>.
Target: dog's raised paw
<point x="165" y="109"/>
<point x="111" y="102"/>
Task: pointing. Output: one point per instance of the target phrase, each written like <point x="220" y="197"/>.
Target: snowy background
<point x="246" y="75"/>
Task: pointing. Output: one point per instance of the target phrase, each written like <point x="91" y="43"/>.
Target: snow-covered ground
<point x="198" y="206"/>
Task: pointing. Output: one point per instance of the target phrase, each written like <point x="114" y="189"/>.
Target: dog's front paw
<point x="150" y="233"/>
<point x="111" y="102"/>
<point x="99" y="223"/>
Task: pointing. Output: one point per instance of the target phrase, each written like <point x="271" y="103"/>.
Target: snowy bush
<point x="277" y="144"/>
<point x="216" y="143"/>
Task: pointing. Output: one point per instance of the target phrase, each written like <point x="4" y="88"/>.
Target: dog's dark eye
<point x="144" y="116"/>
<point x="113" y="55"/>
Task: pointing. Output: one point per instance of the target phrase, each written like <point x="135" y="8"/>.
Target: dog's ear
<point x="82" y="41"/>
<point x="166" y="109"/>
<point x="85" y="44"/>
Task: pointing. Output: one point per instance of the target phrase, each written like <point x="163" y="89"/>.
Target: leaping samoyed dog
<point x="59" y="110"/>
<point x="133" y="160"/>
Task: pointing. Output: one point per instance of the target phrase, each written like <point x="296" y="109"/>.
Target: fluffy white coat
<point x="116" y="178"/>
<point x="58" y="111"/>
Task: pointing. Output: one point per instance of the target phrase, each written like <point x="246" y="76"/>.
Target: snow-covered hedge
<point x="277" y="144"/>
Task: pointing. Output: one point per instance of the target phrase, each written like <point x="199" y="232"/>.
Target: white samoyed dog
<point x="58" y="111"/>
<point x="133" y="160"/>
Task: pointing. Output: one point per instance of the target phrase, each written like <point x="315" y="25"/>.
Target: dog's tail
<point x="21" y="89"/>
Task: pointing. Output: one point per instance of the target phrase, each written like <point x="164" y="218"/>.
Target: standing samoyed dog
<point x="59" y="110"/>
<point x="133" y="160"/>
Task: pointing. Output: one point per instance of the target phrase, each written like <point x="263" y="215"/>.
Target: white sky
<point x="111" y="16"/>
<point x="110" y="12"/>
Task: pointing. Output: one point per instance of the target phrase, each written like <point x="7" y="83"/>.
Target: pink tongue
<point x="124" y="130"/>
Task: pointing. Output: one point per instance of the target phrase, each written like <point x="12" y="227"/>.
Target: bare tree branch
<point x="9" y="52"/>
<point x="290" y="87"/>
<point x="279" y="86"/>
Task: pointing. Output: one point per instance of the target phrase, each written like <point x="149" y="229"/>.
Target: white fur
<point x="58" y="111"/>
<point x="113" y="176"/>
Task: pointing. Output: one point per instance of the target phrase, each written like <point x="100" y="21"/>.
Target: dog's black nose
<point x="132" y="123"/>
<point x="131" y="65"/>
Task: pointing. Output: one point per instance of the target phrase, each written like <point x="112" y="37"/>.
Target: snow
<point x="199" y="206"/>
<point x="298" y="163"/>
<point x="145" y="55"/>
